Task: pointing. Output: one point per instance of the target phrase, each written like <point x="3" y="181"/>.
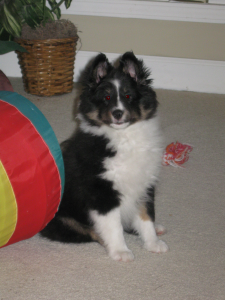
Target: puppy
<point x="112" y="161"/>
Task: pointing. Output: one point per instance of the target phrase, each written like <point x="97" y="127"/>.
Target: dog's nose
<point x="117" y="114"/>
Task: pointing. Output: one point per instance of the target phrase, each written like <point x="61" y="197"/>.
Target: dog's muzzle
<point x="117" y="114"/>
<point x="119" y="119"/>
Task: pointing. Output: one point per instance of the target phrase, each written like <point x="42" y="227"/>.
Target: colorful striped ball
<point x="31" y="169"/>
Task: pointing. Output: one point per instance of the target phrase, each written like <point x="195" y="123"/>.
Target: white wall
<point x="200" y="75"/>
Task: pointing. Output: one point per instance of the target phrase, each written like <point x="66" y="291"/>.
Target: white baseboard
<point x="154" y="10"/>
<point x="205" y="76"/>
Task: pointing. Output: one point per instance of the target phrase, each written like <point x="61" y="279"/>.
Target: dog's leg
<point x="144" y="225"/>
<point x="146" y="229"/>
<point x="110" y="229"/>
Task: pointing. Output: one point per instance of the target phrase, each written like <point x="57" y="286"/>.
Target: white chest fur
<point x="135" y="167"/>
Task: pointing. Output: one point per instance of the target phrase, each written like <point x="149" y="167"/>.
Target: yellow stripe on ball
<point x="8" y="208"/>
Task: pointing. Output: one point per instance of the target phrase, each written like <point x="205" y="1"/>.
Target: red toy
<point x="176" y="154"/>
<point x="31" y="169"/>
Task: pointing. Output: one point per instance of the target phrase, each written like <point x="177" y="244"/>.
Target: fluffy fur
<point x="112" y="161"/>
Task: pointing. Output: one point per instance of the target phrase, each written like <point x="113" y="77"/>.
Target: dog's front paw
<point x="125" y="255"/>
<point x="157" y="246"/>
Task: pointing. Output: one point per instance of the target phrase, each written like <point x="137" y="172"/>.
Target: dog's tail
<point x="68" y="230"/>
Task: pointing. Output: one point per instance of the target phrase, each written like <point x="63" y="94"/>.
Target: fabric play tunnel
<point x="31" y="169"/>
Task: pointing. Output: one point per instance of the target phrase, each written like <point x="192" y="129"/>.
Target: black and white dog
<point x="112" y="162"/>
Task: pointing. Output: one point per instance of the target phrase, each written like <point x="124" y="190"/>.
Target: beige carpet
<point x="190" y="203"/>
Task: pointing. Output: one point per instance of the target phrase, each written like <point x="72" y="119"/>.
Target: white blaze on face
<point x="119" y="104"/>
<point x="118" y="124"/>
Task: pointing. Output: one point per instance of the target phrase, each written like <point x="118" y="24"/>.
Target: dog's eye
<point x="107" y="97"/>
<point x="127" y="96"/>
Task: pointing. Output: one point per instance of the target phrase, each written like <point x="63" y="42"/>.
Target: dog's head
<point x="117" y="97"/>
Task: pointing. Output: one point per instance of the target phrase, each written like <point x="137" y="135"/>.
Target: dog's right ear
<point x="99" y="68"/>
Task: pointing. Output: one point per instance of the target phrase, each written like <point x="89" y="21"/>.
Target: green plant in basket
<point x="15" y="13"/>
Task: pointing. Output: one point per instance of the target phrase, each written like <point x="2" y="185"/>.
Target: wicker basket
<point x="48" y="68"/>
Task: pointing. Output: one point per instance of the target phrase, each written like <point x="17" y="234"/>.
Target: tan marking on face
<point x="145" y="113"/>
<point x="108" y="91"/>
<point x="106" y="117"/>
<point x="134" y="117"/>
<point x="93" y="115"/>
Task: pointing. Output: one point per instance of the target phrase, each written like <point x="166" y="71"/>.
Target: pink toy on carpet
<point x="176" y="154"/>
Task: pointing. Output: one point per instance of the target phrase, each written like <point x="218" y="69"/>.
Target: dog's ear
<point x="129" y="64"/>
<point x="96" y="70"/>
<point x="99" y="68"/>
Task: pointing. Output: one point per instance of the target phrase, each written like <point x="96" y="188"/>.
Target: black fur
<point x="84" y="153"/>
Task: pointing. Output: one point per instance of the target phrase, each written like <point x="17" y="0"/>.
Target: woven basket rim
<point x="47" y="40"/>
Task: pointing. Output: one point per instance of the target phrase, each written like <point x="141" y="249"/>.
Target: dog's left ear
<point x="129" y="64"/>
